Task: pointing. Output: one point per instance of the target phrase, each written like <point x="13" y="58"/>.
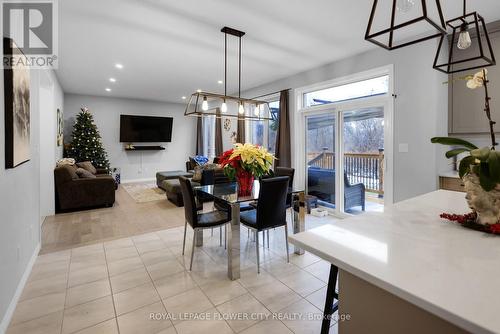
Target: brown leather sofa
<point x="73" y="193"/>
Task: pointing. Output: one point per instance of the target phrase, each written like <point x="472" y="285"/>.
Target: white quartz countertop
<point x="448" y="270"/>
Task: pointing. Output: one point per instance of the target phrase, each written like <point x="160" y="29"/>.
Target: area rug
<point x="144" y="192"/>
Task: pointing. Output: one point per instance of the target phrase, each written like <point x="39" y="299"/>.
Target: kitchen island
<point x="408" y="271"/>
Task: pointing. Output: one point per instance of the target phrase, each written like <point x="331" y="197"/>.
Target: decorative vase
<point x="485" y="203"/>
<point x="245" y="183"/>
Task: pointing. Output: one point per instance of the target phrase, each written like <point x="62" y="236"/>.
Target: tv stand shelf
<point x="144" y="148"/>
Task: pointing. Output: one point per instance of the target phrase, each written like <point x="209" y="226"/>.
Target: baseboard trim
<point x="138" y="180"/>
<point x="20" y="287"/>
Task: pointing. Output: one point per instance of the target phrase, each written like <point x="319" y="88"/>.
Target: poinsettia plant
<point x="483" y="162"/>
<point x="250" y="158"/>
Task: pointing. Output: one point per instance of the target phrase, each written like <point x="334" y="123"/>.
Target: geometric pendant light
<point x="394" y="23"/>
<point x="202" y="104"/>
<point x="468" y="45"/>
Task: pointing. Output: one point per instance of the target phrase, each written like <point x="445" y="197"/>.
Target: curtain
<point x="199" y="136"/>
<point x="283" y="147"/>
<point x="240" y="135"/>
<point x="218" y="135"/>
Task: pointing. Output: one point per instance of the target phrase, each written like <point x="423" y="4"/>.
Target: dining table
<point x="228" y="194"/>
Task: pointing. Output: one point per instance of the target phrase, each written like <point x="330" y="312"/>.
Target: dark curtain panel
<point x="199" y="136"/>
<point x="240" y="136"/>
<point x="218" y="135"/>
<point x="283" y="146"/>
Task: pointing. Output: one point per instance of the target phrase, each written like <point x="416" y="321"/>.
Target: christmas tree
<point x="86" y="144"/>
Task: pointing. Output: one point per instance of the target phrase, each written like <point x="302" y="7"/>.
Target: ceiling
<point x="169" y="49"/>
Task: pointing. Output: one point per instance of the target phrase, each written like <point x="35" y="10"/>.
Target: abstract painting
<point x="17" y="106"/>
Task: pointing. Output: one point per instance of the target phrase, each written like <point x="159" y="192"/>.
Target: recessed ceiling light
<point x="120" y="66"/>
<point x="183" y="97"/>
<point x="198" y="90"/>
<point x="108" y="89"/>
<point x="220" y="82"/>
<point x="112" y="80"/>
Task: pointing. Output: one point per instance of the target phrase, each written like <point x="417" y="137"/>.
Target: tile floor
<point x="118" y="286"/>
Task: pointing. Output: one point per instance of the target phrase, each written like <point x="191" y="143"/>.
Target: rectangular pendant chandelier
<point x="392" y="22"/>
<point x="463" y="55"/>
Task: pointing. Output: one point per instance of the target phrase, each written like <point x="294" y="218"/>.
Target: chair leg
<point x="225" y="236"/>
<point x="257" y="247"/>
<point x="268" y="239"/>
<point x="184" y="241"/>
<point x="286" y="244"/>
<point x="220" y="236"/>
<point x="192" y="250"/>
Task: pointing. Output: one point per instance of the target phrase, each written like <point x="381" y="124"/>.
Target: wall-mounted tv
<point x="145" y="129"/>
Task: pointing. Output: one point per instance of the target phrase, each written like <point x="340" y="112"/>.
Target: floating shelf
<point x="144" y="148"/>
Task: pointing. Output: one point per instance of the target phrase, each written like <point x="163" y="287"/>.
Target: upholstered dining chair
<point x="198" y="220"/>
<point x="270" y="212"/>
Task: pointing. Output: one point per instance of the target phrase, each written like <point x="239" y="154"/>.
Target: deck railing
<point x="366" y="168"/>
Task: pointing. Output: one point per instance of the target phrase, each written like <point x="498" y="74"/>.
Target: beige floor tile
<point x="107" y="327"/>
<point x="30" y="309"/>
<point x="44" y="286"/>
<point x="170" y="330"/>
<point x="318" y="298"/>
<point x="302" y="282"/>
<point x="95" y="249"/>
<point x="129" y="280"/>
<point x="215" y="324"/>
<point x="303" y="260"/>
<point x="279" y="268"/>
<point x="132" y="299"/>
<point x="47" y="270"/>
<point x="140" y="322"/>
<point x="146" y="237"/>
<point x="268" y="326"/>
<point x="320" y="269"/>
<point x="164" y="268"/>
<point x="154" y="257"/>
<point x="192" y="301"/>
<point x="247" y="309"/>
<point x="125" y="265"/>
<point x="302" y="317"/>
<point x="84" y="293"/>
<point x="251" y="279"/>
<point x="119" y="243"/>
<point x="88" y="314"/>
<point x="54" y="257"/>
<point x="149" y="246"/>
<point x="222" y="291"/>
<point x="87" y="261"/>
<point x="113" y="255"/>
<point x="275" y="296"/>
<point x="87" y="275"/>
<point x="48" y="324"/>
<point x="174" y="284"/>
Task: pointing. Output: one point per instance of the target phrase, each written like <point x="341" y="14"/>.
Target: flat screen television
<point x="145" y="129"/>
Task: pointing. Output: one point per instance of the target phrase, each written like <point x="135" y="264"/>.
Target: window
<point x="208" y="123"/>
<point x="264" y="132"/>
<point x="355" y="90"/>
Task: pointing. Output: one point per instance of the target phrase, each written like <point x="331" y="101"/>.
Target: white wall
<point x="420" y="109"/>
<point x="135" y="165"/>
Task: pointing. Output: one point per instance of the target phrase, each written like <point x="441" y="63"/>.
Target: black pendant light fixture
<point x="398" y="16"/>
<point x="212" y="104"/>
<point x="463" y="55"/>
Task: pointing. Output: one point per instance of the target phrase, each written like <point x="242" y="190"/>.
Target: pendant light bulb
<point x="241" y="109"/>
<point x="464" y="40"/>
<point x="405" y="6"/>
<point x="204" y="105"/>
<point x="223" y="107"/>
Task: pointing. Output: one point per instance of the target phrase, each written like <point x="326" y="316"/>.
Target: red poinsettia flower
<point x="495" y="228"/>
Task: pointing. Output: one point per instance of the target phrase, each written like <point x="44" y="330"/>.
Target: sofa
<point x="321" y="184"/>
<point x="75" y="193"/>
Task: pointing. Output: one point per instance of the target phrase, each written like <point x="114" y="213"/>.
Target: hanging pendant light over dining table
<point x="222" y="105"/>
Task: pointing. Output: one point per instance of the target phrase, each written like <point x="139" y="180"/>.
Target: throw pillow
<point x="198" y="171"/>
<point x="84" y="174"/>
<point x="88" y="166"/>
<point x="65" y="161"/>
<point x="200" y="160"/>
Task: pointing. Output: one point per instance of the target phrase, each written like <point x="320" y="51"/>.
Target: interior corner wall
<point x="19" y="211"/>
<point x="420" y="109"/>
<point x="139" y="165"/>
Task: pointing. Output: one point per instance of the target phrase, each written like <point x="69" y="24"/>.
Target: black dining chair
<point x="290" y="172"/>
<point x="198" y="220"/>
<point x="270" y="212"/>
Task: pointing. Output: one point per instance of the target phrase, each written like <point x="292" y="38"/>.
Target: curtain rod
<point x="256" y="97"/>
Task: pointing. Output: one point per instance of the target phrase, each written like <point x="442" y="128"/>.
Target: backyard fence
<point x="366" y="168"/>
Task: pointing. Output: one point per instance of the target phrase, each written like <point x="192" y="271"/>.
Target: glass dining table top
<point x="228" y="192"/>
